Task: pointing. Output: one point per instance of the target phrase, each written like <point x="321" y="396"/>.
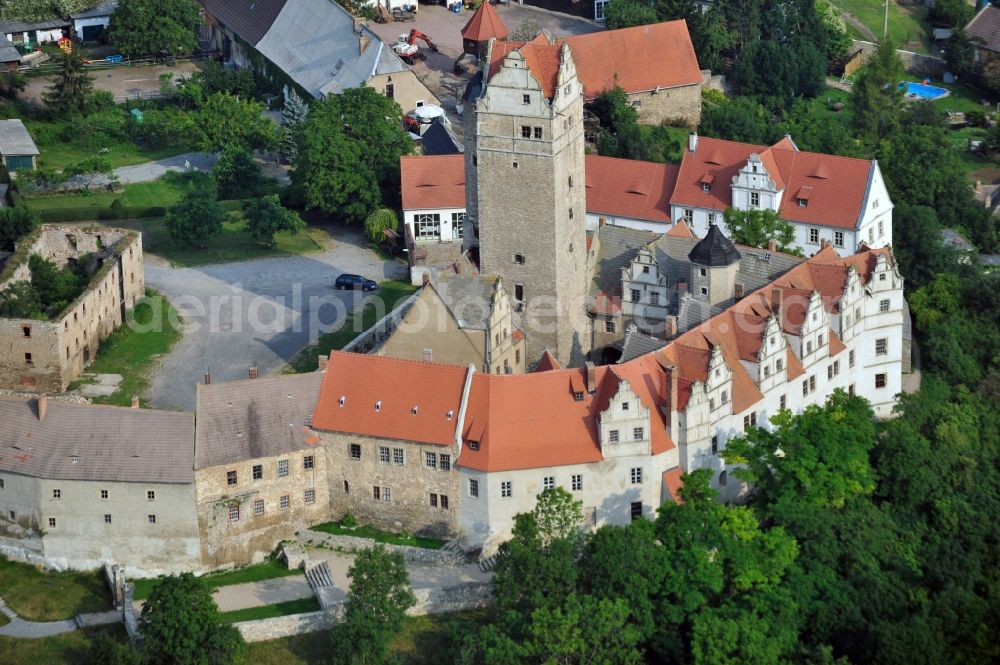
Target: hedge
<point x="56" y="215"/>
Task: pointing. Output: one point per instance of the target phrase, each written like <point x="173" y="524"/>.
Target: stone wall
<point x="469" y="596"/>
<point x="915" y="63"/>
<point x="356" y="544"/>
<point x="668" y="104"/>
<point x="352" y="482"/>
<point x="46" y="356"/>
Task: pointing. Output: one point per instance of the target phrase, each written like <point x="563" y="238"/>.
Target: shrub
<point x="348" y="522"/>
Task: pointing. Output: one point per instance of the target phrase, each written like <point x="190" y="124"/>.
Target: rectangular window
<point x="473" y="445"/>
<point x="258" y="507"/>
<point x="634" y="294"/>
<point x="383" y="454"/>
<point x="609" y="326"/>
<point x="767" y="371"/>
<point x="473" y="488"/>
<point x="457" y="225"/>
<point x="386" y="494"/>
<point x="805" y="388"/>
<point x="525" y="99"/>
<point x="397" y="457"/>
<point x="613" y="436"/>
<point x="56" y="494"/>
<point x="258" y="471"/>
<point x="347" y="487"/>
<point x="812" y="383"/>
<point x="829" y="372"/>
<point x="654" y="298"/>
<point x="310" y="496"/>
<point x="308" y="462"/>
<point x="355" y="450"/>
<point x="444" y="462"/>
<point x="880" y="380"/>
<point x="428" y="225"/>
<point x="107" y="517"/>
<point x="850" y="358"/>
<point x="688" y="215"/>
<point x="27" y="359"/>
<point x="525" y="132"/>
<point x="282" y="468"/>
<point x="104" y="494"/>
<point x="754" y="199"/>
<point x="26" y="331"/>
<point x="284" y="502"/>
<point x="850" y="390"/>
<point x="838" y="238"/>
<point x="883" y="305"/>
<point x="234" y="514"/>
<point x="836" y="367"/>
<point x="781" y="402"/>
<point x="434" y="500"/>
<point x="390" y="90"/>
<point x="814" y="236"/>
<point x="881" y="228"/>
<point x="538" y="132"/>
<point x="376" y="492"/>
<point x="715" y="444"/>
<point x="519" y="292"/>
<point x="638" y="433"/>
<point x="505" y="489"/>
<point x="444" y="502"/>
<point x="599" y="8"/>
<point x="52" y="522"/>
<point x="549" y="482"/>
<point x="635" y="510"/>
<point x="779" y="364"/>
<point x="881" y="346"/>
<point x="577" y="482"/>
<point x="150" y="495"/>
<point x="725" y="397"/>
<point x="636" y="475"/>
<point x="430" y="460"/>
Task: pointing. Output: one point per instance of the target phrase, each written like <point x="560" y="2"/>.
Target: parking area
<point x="444" y="28"/>
<point x="122" y="82"/>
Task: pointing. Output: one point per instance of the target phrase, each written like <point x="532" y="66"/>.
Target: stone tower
<point x="714" y="263"/>
<point x="526" y="194"/>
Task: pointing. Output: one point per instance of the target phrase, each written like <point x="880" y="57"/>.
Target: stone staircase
<point x="452" y="547"/>
<point x="319" y="577"/>
<point x="487" y="564"/>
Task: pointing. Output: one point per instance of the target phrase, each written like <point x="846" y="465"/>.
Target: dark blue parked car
<point x="354" y="282"/>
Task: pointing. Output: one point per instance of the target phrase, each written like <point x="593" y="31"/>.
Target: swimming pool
<point x="923" y="91"/>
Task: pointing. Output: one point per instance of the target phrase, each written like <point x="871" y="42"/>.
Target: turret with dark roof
<point x="714" y="250"/>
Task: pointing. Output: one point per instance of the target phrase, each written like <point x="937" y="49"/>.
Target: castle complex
<point x="719" y="338"/>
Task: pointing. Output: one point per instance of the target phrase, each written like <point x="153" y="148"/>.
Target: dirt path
<point x="861" y="27"/>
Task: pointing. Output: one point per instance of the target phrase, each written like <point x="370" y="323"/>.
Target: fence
<point x="50" y="67"/>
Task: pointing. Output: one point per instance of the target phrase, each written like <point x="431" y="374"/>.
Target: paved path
<point x="259" y="312"/>
<point x="154" y="170"/>
<point x="264" y="592"/>
<point x="33" y="630"/>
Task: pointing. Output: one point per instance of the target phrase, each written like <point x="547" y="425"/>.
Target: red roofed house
<point x="655" y="64"/>
<point x="433" y="189"/>
<point x="984" y="32"/>
<point x="838" y="200"/>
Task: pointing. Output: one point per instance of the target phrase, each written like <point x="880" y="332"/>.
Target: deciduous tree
<point x="196" y="219"/>
<point x="143" y="27"/>
<point x="628" y="13"/>
<point x="15" y="223"/>
<point x="266" y="216"/>
<point x="378" y="222"/>
<point x="226" y="120"/>
<point x="876" y="98"/>
<point x="236" y="173"/>
<point x="758" y="227"/>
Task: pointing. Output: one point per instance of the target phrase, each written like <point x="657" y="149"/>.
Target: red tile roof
<point x="672" y="479"/>
<point x="619" y="187"/>
<point x="432" y="181"/>
<point x="835" y="186"/>
<point x="638" y="59"/>
<point x="397" y="386"/>
<point x="485" y="23"/>
<point x="547" y="362"/>
<point x="629" y="188"/>
<point x="681" y="230"/>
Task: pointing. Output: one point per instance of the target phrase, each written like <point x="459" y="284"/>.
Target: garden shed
<point x="17" y="150"/>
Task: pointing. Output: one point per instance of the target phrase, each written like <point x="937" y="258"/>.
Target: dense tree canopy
<point x="266" y="216"/>
<point x="143" y="27"/>
<point x="758" y="227"/>
<point x="225" y="120"/>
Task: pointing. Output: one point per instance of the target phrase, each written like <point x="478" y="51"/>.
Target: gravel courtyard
<point x="259" y="312"/>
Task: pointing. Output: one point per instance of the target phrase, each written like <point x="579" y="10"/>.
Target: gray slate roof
<point x="250" y="19"/>
<point x="316" y="44"/>
<point x="8" y="52"/>
<point x="438" y="139"/>
<point x="99" y="443"/>
<point x="250" y="419"/>
<point x="467" y="297"/>
<point x="984" y="28"/>
<point x="9" y="27"/>
<point x="15" y="139"/>
<point x="617" y="246"/>
<point x="103" y="9"/>
<point x="714" y="250"/>
<point x="639" y="344"/>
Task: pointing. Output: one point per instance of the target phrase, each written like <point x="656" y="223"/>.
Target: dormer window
<point x="378" y="405"/>
<point x="413" y="410"/>
<point x="803" y="203"/>
<point x="706" y="186"/>
<point x="578" y="396"/>
<point x="343" y="398"/>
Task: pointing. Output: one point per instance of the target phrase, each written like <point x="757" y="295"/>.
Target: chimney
<point x="776" y="301"/>
<point x="824" y="243"/>
<point x="43" y="406"/>
<point x="425" y="278"/>
<point x="682" y="289"/>
<point x="323" y="362"/>
<point x="692" y="141"/>
<point x="135" y="401"/>
<point x="253" y="372"/>
<point x="591" y="377"/>
<point x="670" y="327"/>
<point x="772" y="245"/>
<point x="362" y="43"/>
<point x="208" y="377"/>
<point x="601" y="221"/>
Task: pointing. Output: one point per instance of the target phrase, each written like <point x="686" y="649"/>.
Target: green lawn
<point x="162" y="192"/>
<point x="233" y="244"/>
<point x="269" y="611"/>
<point x="66" y="649"/>
<point x="60" y="154"/>
<point x="907" y="25"/>
<point x="267" y="570"/>
<point x="390" y="291"/>
<point x="47" y="596"/>
<point x="134" y="353"/>
<point x="380" y="536"/>
<point x="426" y="640"/>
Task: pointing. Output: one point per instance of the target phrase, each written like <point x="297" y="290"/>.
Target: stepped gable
<point x="714" y="250"/>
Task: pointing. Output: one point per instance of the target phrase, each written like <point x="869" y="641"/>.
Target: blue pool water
<point x="923" y="91"/>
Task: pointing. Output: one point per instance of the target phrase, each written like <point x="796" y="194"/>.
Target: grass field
<point x="907" y="25"/>
<point x="380" y="536"/>
<point x="134" y="353"/>
<point x="390" y="291"/>
<point x="162" y="192"/>
<point x="46" y="596"/>
<point x="59" y="154"/>
<point x="233" y="244"/>
<point x="426" y="640"/>
<point x="267" y="570"/>
<point x="269" y="611"/>
<point x="65" y="649"/>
